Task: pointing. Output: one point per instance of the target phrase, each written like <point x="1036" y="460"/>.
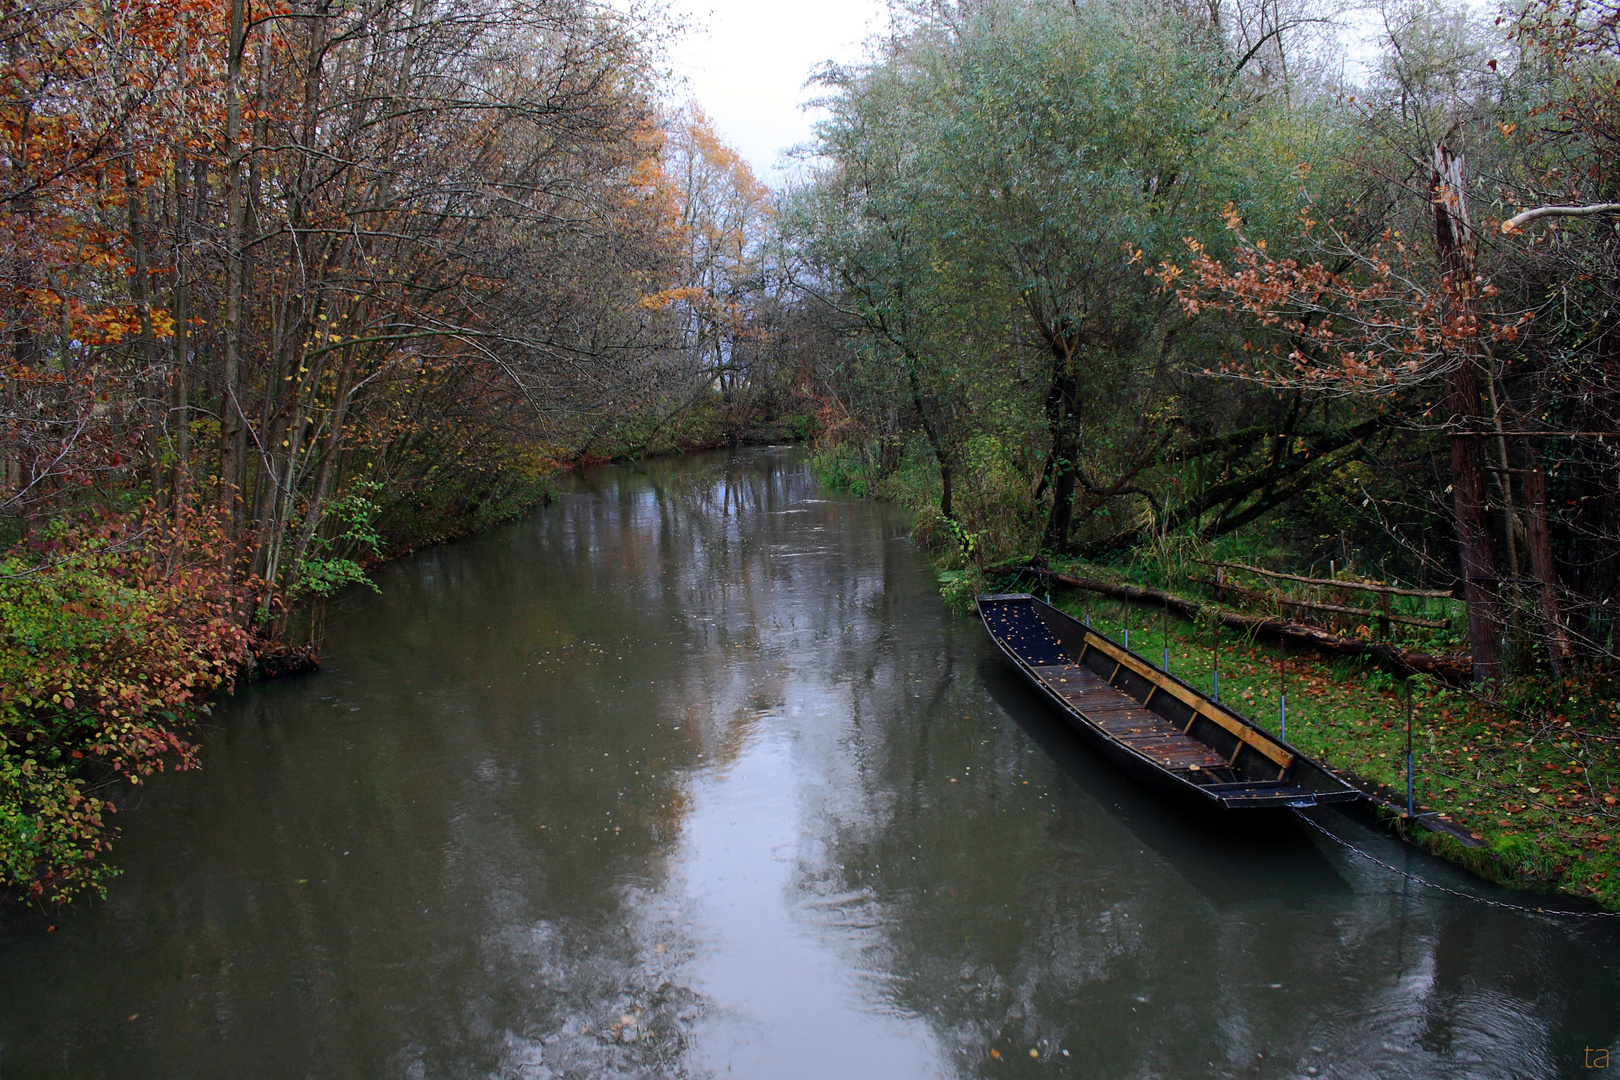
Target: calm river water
<point x="692" y="774"/>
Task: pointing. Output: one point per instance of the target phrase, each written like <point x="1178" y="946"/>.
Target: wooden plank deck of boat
<point x="1124" y="718"/>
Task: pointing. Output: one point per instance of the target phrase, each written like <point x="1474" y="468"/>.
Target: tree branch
<point x="1514" y="223"/>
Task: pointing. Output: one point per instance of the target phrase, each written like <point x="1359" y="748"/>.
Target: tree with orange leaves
<point x="724" y="219"/>
<point x="357" y="275"/>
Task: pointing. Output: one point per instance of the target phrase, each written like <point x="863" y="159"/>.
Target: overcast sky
<point x="746" y="62"/>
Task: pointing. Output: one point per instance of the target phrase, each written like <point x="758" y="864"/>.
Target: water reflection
<point x="692" y="775"/>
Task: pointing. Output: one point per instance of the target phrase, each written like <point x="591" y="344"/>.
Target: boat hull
<point x="1149" y="725"/>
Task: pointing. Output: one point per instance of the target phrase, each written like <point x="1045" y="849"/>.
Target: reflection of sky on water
<point x="692" y="775"/>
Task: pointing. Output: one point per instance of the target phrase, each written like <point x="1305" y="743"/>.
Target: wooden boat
<point x="1148" y="722"/>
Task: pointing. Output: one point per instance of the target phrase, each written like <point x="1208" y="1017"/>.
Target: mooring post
<point x="1164" y="632"/>
<point x="1282" y="700"/>
<point x="1215" y="677"/>
<point x="1409" y="747"/>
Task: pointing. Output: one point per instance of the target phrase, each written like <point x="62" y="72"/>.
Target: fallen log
<point x="1287" y="601"/>
<point x="1334" y="583"/>
<point x="1458" y="667"/>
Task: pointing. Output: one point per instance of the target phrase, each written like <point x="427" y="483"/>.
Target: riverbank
<point x="457" y="502"/>
<point x="1535" y="778"/>
<point x="116" y="630"/>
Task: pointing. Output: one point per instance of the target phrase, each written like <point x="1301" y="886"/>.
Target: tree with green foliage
<point x="998" y="186"/>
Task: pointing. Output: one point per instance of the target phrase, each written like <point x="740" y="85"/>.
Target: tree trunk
<point x="1314" y="637"/>
<point x="146" y="345"/>
<point x="934" y="441"/>
<point x="1590" y="488"/>
<point x="231" y="433"/>
<point x="1063" y="427"/>
<point x="1453" y="241"/>
<point x="179" y="393"/>
<point x="1542" y="568"/>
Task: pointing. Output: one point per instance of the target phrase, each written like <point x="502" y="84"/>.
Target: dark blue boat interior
<point x="1025" y="633"/>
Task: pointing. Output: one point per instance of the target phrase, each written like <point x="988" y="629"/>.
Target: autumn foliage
<point x="286" y="288"/>
<point x="113" y="629"/>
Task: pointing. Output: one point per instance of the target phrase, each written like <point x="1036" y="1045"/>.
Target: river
<point x="693" y="774"/>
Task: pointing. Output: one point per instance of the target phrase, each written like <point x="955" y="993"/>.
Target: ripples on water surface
<point x="691" y="774"/>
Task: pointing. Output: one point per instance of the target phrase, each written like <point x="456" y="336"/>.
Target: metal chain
<point x="1453" y="892"/>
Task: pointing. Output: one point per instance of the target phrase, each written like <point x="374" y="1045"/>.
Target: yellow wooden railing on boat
<point x="1199" y="705"/>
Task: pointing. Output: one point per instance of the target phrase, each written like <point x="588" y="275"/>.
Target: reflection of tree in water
<point x="1076" y="912"/>
<point x="601" y="1001"/>
<point x="673" y="556"/>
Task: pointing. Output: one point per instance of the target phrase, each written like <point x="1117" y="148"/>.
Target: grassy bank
<point x="1533" y="771"/>
<point x="1535" y="775"/>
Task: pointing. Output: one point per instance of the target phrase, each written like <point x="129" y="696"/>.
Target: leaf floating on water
<point x="1034" y="1053"/>
<point x="996" y="1054"/>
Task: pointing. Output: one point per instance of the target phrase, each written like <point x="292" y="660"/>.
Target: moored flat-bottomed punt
<point x="1148" y="722"/>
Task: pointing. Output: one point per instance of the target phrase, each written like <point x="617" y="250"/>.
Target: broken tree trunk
<point x="1454" y="242"/>
<point x="1382" y="614"/>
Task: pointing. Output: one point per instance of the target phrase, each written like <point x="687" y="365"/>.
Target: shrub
<point x="113" y="628"/>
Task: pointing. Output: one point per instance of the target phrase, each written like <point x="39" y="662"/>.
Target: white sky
<point x="746" y="62"/>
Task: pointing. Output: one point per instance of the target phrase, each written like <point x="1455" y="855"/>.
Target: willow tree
<point x="866" y="249"/>
<point x="998" y="183"/>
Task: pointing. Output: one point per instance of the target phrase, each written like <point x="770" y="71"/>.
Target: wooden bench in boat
<point x="1123" y="717"/>
<point x="1200" y="706"/>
